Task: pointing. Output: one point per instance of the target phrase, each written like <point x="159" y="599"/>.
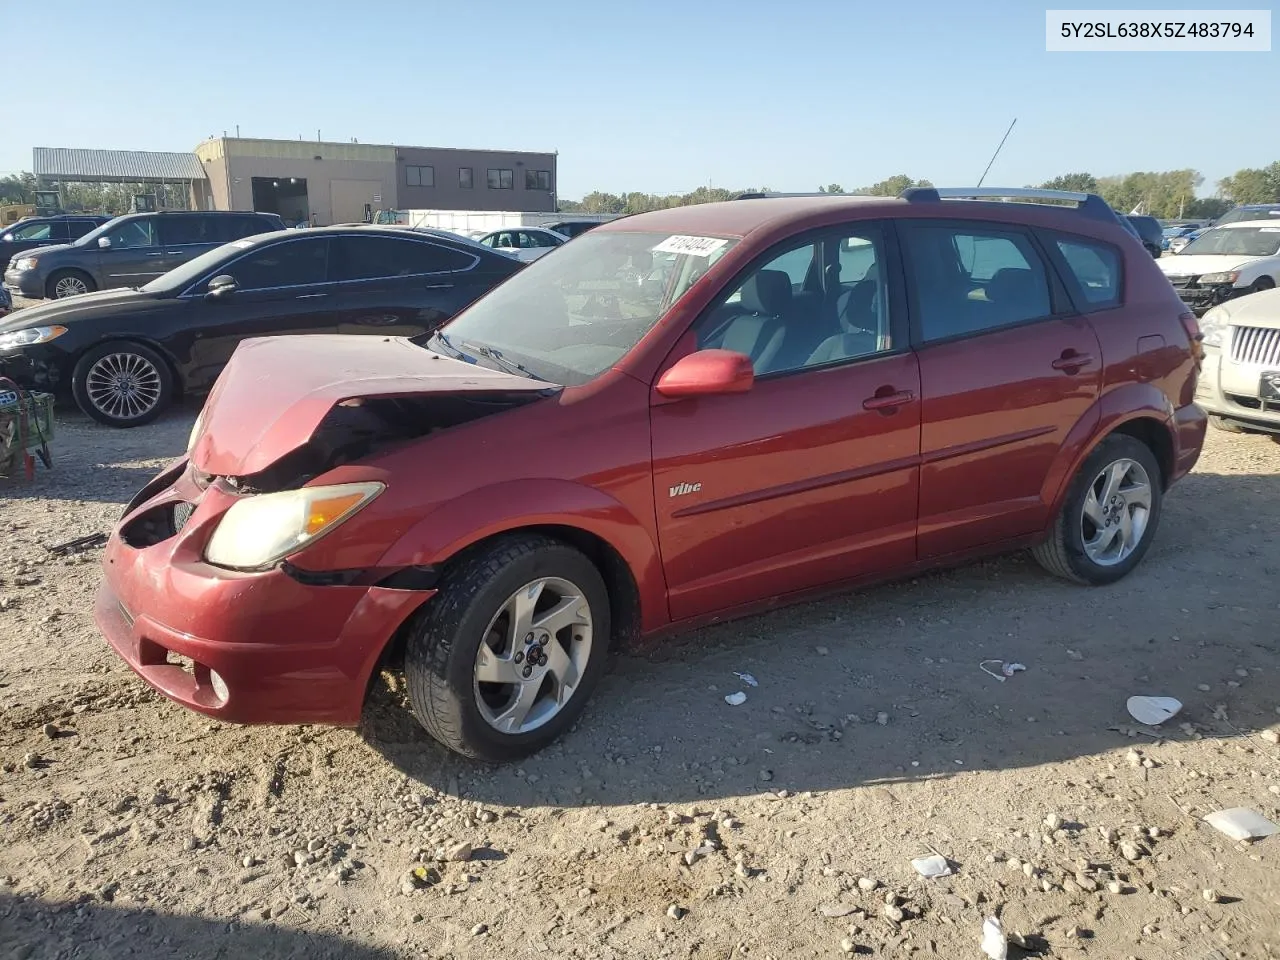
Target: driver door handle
<point x="888" y="401"/>
<point x="310" y="296"/>
<point x="1070" y="363"/>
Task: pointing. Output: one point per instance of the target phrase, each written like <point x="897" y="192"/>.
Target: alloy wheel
<point x="533" y="655"/>
<point x="1116" y="512"/>
<point x="69" y="286"/>
<point x="125" y="386"/>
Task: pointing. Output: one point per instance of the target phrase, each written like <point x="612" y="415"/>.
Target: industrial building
<point x="319" y="182"/>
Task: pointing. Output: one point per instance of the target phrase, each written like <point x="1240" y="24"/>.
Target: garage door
<point x="348" y="198"/>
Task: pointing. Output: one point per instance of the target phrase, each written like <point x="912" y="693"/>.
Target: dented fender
<point x="519" y="504"/>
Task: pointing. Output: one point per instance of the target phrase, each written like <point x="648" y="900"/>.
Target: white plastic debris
<point x="930" y="867"/>
<point x="1153" y="711"/>
<point x="1003" y="670"/>
<point x="747" y="678"/>
<point x="736" y="699"/>
<point x="1241" y="823"/>
<point x="994" y="943"/>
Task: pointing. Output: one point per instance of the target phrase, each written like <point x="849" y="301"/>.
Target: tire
<point x="68" y="283"/>
<point x="1226" y="426"/>
<point x="1262" y="283"/>
<point x="473" y="606"/>
<point x="122" y="384"/>
<point x="1067" y="554"/>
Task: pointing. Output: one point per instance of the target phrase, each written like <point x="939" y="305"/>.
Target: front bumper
<point x="1202" y="299"/>
<point x="37" y="367"/>
<point x="284" y="651"/>
<point x="27" y="283"/>
<point x="1231" y="390"/>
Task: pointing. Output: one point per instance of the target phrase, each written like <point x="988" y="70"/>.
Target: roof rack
<point x="1089" y="204"/>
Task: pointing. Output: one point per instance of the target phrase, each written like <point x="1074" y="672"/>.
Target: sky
<point x="659" y="97"/>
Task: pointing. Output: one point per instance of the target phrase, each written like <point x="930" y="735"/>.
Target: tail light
<point x="1194" y="334"/>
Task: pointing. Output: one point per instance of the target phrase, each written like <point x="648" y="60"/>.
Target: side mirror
<point x="221" y="287"/>
<point x="707" y="373"/>
<point x="8" y="238"/>
<point x="104" y="243"/>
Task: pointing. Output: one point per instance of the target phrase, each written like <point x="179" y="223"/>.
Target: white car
<point x="1225" y="262"/>
<point x="1239" y="385"/>
<point x="524" y="243"/>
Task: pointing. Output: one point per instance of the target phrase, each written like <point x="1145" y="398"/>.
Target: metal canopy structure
<point x="66" y="165"/>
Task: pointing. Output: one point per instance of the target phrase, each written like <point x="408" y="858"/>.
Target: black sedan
<point x="126" y="354"/>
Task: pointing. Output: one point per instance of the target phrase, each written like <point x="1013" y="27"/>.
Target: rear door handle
<point x="888" y="401"/>
<point x="310" y="296"/>
<point x="1073" y="362"/>
<point x="438" y="286"/>
<point x="160" y="254"/>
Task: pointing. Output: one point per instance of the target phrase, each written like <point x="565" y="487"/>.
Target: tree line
<point x="109" y="198"/>
<point x="1169" y="194"/>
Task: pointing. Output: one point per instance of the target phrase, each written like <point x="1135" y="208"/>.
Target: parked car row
<point x="125" y="354"/>
<point x="32" y="232"/>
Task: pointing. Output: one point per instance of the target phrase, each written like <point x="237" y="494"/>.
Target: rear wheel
<point x="68" y="283"/>
<point x="1109" y="516"/>
<point x="506" y="654"/>
<point x="1226" y="426"/>
<point x="122" y="384"/>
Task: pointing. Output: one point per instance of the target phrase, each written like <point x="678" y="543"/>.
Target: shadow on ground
<point x="884" y="685"/>
<point x="36" y="930"/>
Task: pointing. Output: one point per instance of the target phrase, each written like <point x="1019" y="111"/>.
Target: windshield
<point x="1250" y="213"/>
<point x="1237" y="241"/>
<point x="568" y="318"/>
<point x="181" y="277"/>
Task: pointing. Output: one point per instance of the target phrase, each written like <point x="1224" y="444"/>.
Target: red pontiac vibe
<point x="676" y="418"/>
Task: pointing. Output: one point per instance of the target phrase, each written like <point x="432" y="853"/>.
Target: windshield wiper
<point x="496" y="356"/>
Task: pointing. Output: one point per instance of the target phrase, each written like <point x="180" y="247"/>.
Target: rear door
<point x="399" y="286"/>
<point x="812" y="476"/>
<point x="1007" y="369"/>
<point x="185" y="236"/>
<point x="282" y="288"/>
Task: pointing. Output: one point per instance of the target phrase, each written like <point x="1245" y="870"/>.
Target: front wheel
<point x="69" y="283"/>
<point x="1262" y="283"/>
<point x="506" y="654"/>
<point x="122" y="384"/>
<point x="1109" y="516"/>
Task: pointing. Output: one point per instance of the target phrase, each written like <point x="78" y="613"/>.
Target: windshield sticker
<point x="242" y="244"/>
<point x="690" y="246"/>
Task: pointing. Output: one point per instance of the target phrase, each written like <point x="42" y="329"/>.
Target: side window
<point x="291" y="263"/>
<point x="133" y="234"/>
<point x="185" y="229"/>
<point x="369" y="258"/>
<point x="780" y="320"/>
<point x="1096" y="268"/>
<point x="969" y="279"/>
<point x="240" y="227"/>
<point x="78" y="228"/>
<point x="33" y="231"/>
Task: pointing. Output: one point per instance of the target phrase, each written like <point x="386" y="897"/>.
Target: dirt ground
<point x="670" y="824"/>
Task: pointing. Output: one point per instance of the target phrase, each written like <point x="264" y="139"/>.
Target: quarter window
<point x="537" y="179"/>
<point x="1096" y="267"/>
<point x="500" y="179"/>
<point x="293" y="263"/>
<point x="420" y="176"/>
<point x="968" y="280"/>
<point x="370" y="258"/>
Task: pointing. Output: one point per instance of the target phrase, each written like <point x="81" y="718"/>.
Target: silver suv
<point x="1240" y="383"/>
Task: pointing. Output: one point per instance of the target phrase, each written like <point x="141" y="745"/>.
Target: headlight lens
<point x="1230" y="276"/>
<point x="26" y="263"/>
<point x="259" y="530"/>
<point x="25" y="338"/>
<point x="1214" y="327"/>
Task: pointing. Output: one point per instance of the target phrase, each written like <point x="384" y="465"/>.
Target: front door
<point x="812" y="476"/>
<point x="1007" y="370"/>
<point x="281" y="288"/>
<point x="133" y="255"/>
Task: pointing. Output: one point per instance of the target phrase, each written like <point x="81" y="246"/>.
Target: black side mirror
<point x="221" y="287"/>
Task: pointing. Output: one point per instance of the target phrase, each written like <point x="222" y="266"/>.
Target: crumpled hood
<point x="1192" y="265"/>
<point x="275" y="391"/>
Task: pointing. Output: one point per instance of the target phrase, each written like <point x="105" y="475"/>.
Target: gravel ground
<point x="670" y="824"/>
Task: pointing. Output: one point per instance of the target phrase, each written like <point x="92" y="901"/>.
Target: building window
<point x="420" y="176"/>
<point x="537" y="179"/>
<point x="464" y="178"/>
<point x="500" y="179"/>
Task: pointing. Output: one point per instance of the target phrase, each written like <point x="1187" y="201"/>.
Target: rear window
<point x="1096" y="268"/>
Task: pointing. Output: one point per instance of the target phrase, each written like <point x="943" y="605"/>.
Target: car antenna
<point x="997" y="153"/>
